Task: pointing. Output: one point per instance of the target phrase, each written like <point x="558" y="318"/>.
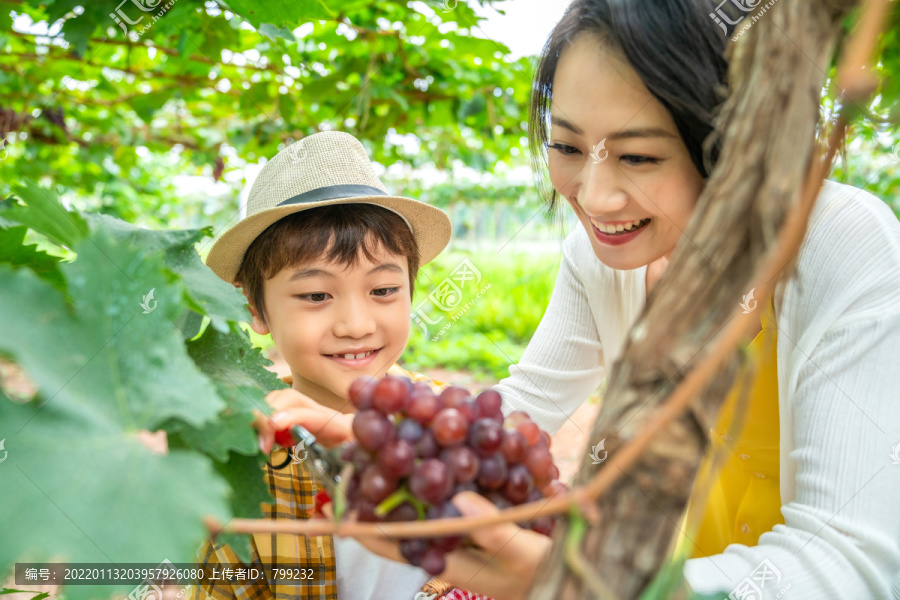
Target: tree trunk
<point x="768" y="131"/>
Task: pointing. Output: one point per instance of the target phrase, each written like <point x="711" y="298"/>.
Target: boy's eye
<point x="385" y="291"/>
<point x="563" y="148"/>
<point x="315" y="297"/>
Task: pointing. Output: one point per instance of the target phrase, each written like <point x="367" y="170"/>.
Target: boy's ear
<point x="256" y="324"/>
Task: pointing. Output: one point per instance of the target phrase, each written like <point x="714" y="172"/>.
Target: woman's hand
<point x="293" y="408"/>
<point x="503" y="566"/>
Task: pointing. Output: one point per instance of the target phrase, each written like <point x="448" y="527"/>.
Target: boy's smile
<point x="334" y="322"/>
<point x="355" y="357"/>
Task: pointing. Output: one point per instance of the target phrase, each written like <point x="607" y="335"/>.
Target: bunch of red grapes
<point x="415" y="450"/>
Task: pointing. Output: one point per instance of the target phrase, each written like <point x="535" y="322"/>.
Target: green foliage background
<point x="111" y="337"/>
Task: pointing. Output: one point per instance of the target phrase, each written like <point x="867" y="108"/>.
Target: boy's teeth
<point x="355" y="356"/>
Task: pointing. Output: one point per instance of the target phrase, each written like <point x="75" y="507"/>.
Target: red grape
<point x="530" y="432"/>
<point x="397" y="458"/>
<point x="376" y="485"/>
<point x="418" y="387"/>
<point x="489" y="402"/>
<point x="391" y="394"/>
<point x="449" y="427"/>
<point x="516" y="418"/>
<point x="468" y="410"/>
<point x="361" y="391"/>
<point x="412" y="550"/>
<point x="360" y="457"/>
<point x="365" y="511"/>
<point x="539" y="462"/>
<point x="372" y="429"/>
<point x="410" y="431"/>
<point x="423" y="406"/>
<point x="519" y="484"/>
<point x="492" y="473"/>
<point x="430" y="481"/>
<point x="543" y="525"/>
<point x="432" y="561"/>
<point x="445" y="510"/>
<point x="545" y="439"/>
<point x="486" y="435"/>
<point x="463" y="463"/>
<point x="468" y="486"/>
<point x="513" y="446"/>
<point x="453" y="396"/>
<point x="427" y="446"/>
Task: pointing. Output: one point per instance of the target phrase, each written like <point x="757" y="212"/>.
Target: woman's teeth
<point x="623" y="227"/>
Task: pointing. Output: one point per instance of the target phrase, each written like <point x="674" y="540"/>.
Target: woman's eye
<point x="385" y="291"/>
<point x="315" y="297"/>
<point x="639" y="160"/>
<point x="563" y="148"/>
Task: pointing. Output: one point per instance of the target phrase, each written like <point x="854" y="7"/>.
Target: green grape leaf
<point x="272" y="32"/>
<point x="190" y="323"/>
<point x="14" y="252"/>
<point x="45" y="215"/>
<point x="77" y="487"/>
<point x="206" y="293"/>
<point x="247" y="479"/>
<point x="107" y="347"/>
<point x="238" y="371"/>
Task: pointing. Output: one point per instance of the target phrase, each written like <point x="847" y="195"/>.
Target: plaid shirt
<point x="293" y="490"/>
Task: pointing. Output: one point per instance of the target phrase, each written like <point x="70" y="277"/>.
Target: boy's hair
<point x="335" y="233"/>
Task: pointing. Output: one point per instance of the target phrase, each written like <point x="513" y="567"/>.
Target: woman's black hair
<point x="675" y="47"/>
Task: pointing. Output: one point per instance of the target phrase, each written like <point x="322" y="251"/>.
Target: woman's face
<point x="616" y="156"/>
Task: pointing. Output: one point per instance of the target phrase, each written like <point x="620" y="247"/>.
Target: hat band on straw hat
<point x="349" y="190"/>
<point x="332" y="192"/>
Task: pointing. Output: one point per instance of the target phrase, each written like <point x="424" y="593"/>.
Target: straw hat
<point x="326" y="168"/>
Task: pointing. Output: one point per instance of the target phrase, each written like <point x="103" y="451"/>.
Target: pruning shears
<point x="304" y="447"/>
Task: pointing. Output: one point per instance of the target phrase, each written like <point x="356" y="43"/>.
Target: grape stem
<point x="401" y="495"/>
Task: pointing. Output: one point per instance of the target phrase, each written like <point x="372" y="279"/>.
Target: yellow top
<point x="744" y="500"/>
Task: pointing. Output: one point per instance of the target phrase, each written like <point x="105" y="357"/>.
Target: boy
<point x="327" y="260"/>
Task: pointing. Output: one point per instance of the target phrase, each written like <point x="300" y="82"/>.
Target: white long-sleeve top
<point x="838" y="357"/>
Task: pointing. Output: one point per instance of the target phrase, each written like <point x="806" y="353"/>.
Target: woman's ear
<point x="256" y="324"/>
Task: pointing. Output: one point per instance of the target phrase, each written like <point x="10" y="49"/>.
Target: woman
<point x="629" y="89"/>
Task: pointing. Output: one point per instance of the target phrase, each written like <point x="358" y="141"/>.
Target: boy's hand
<point x="293" y="408"/>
